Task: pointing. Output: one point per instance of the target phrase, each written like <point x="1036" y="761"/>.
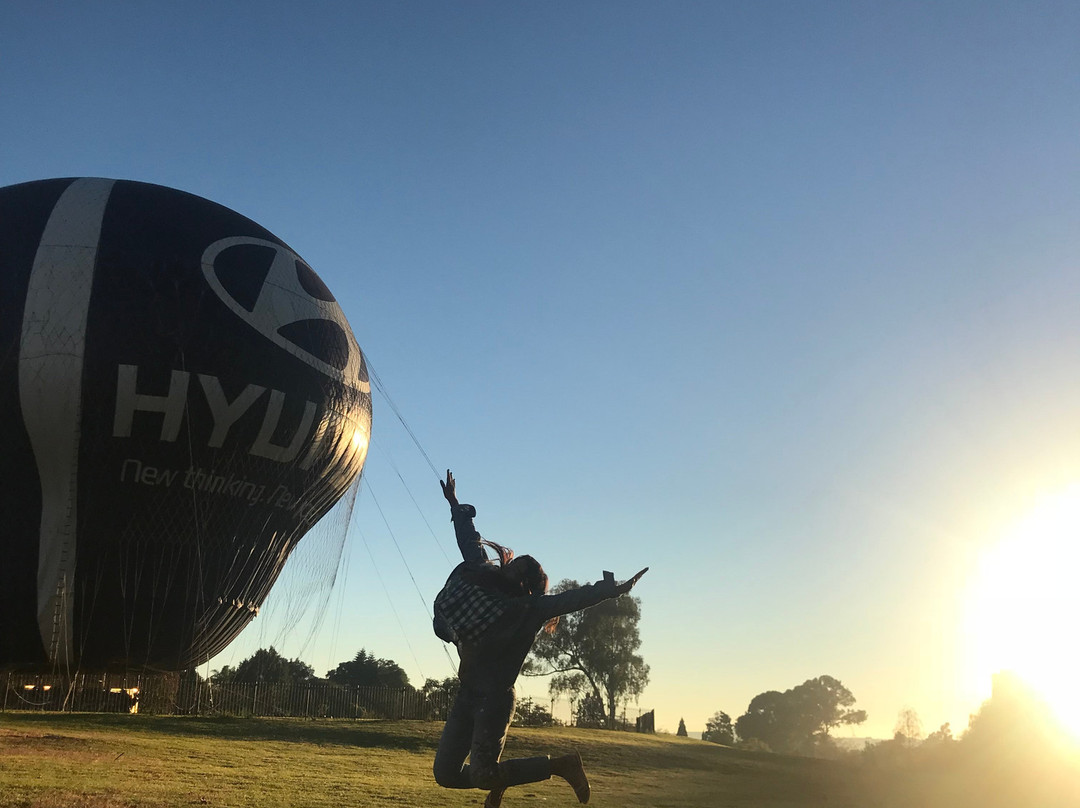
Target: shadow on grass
<point x="329" y="732"/>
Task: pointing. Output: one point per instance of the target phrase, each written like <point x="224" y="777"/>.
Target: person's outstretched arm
<point x="468" y="538"/>
<point x="573" y="600"/>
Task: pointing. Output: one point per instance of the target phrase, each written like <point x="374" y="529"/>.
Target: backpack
<point x="464" y="610"/>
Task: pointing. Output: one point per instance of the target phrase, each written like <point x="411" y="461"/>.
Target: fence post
<point x="254" y="697"/>
<point x="6" y="689"/>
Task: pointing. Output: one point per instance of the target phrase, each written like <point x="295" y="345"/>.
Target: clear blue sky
<point x="777" y="298"/>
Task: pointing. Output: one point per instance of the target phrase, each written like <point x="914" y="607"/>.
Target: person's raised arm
<point x="468" y="538"/>
<point x="449" y="490"/>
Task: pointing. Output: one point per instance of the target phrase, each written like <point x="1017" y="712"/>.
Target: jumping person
<point x="492" y="611"/>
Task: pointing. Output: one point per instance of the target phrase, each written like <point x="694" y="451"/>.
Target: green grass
<point x="116" y="761"/>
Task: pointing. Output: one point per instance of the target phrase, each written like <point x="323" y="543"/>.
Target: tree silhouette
<point x="594" y="652"/>
<point x="908" y="729"/>
<point x="590" y="712"/>
<point x="364" y="670"/>
<point x="440" y="695"/>
<point x="719" y="729"/>
<point x="267" y="666"/>
<point x="768" y="719"/>
<point x="799" y="719"/>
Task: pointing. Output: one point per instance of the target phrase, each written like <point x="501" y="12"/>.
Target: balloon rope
<point x="382" y="389"/>
<point x="378" y="384"/>
<point x="404" y="560"/>
<point x="389" y="459"/>
<point x="423" y="600"/>
<point x="390" y="600"/>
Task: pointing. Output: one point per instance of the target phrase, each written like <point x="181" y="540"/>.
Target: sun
<point x="1024" y="604"/>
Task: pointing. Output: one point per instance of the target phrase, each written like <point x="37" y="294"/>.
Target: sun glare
<point x="1025" y="602"/>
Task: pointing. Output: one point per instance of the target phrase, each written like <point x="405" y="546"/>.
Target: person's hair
<point x="534" y="581"/>
<point x="505" y="554"/>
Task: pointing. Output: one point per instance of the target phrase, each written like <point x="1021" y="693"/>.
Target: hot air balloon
<point x="181" y="399"/>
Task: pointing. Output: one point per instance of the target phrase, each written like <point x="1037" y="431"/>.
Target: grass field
<point x="115" y="761"/>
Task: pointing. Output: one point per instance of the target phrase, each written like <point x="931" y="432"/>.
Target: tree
<point x="440" y="696"/>
<point x="827" y="704"/>
<point x="267" y="666"/>
<point x="594" y="652"/>
<point x="681" y="731"/>
<point x="908" y="729"/>
<point x="941" y="737"/>
<point x="767" y="721"/>
<point x="719" y="729"/>
<point x="364" y="670"/>
<point x="446" y="690"/>
<point x="799" y="719"/>
<point x="590" y="712"/>
<point x="1014" y="716"/>
<point x="528" y="713"/>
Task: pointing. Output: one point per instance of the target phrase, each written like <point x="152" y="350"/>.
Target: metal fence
<point x="185" y="694"/>
<point x="164" y="694"/>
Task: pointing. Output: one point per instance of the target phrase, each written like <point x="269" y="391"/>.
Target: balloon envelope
<point x="181" y="399"/>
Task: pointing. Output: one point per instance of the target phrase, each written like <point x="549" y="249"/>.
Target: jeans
<point x="476" y="728"/>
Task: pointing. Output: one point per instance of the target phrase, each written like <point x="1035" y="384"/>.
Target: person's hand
<point x="448" y="489"/>
<point x="626" y="586"/>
